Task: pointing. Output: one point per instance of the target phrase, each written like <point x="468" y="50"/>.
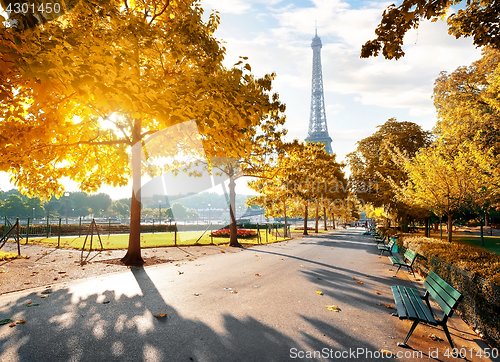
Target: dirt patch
<point x="48" y="266"/>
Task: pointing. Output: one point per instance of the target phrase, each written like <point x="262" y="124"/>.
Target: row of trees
<point x="452" y="172"/>
<point x="14" y="204"/>
<point x="305" y="177"/>
<point x="76" y="204"/>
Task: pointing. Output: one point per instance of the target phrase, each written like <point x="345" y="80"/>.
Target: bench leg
<point x="399" y="267"/>
<point x="448" y="335"/>
<point x="411" y="268"/>
<point x="413" y="326"/>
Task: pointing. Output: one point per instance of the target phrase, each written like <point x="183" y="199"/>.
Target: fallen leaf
<point x="56" y="278"/>
<point x="180" y="272"/>
<point x="301" y="266"/>
<point x="389" y="305"/>
<point x="319" y="292"/>
<point x="333" y="308"/>
<point x="377" y="292"/>
<point x="385" y="352"/>
<point x="70" y="256"/>
<point x="319" y="278"/>
<point x="434" y="337"/>
<point x="43" y="296"/>
<point x="31" y="304"/>
<point x="234" y="292"/>
<point x="359" y="282"/>
<point x="21" y="321"/>
<point x="105" y="302"/>
<point x="196" y="294"/>
<point x="163" y="315"/>
<point x="3" y="271"/>
<point x="257" y="274"/>
<point x="256" y="256"/>
<point x="12" y="325"/>
<point x="61" y="272"/>
<point x="5" y="321"/>
<point x="222" y="251"/>
<point x="354" y="278"/>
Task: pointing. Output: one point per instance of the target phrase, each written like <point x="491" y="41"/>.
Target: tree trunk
<point x="133" y="256"/>
<point x="284" y="208"/>
<point x="427" y="233"/>
<point x="305" y="218"/>
<point x="316" y="228"/>
<point x="333" y="220"/>
<point x="326" y="218"/>
<point x="233" y="230"/>
<point x="441" y="226"/>
<point x="450" y="227"/>
<point x="482" y="234"/>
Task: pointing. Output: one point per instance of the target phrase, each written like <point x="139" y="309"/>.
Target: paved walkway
<point x="258" y="304"/>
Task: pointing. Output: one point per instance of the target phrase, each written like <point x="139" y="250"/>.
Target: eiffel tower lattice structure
<point x="318" y="128"/>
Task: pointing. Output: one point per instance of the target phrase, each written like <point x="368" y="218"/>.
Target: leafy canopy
<point x="477" y="19"/>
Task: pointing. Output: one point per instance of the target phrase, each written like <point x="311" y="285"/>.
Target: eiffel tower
<point x="318" y="128"/>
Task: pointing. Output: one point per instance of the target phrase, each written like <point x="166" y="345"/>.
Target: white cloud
<point x="228" y="7"/>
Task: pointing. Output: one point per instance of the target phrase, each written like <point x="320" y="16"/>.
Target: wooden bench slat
<point x="399" y="303"/>
<point x="427" y="315"/>
<point x="415" y="302"/>
<point x="449" y="289"/>
<point x="396" y="260"/>
<point x="441" y="299"/>
<point x="410" y="311"/>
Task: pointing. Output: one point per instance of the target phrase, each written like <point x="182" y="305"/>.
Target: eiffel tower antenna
<point x="318" y="127"/>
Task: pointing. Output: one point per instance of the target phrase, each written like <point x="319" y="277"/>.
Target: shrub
<point x="242" y="233"/>
<point x="475" y="260"/>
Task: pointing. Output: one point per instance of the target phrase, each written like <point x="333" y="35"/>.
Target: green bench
<point x="410" y="304"/>
<point x="388" y="247"/>
<point x="407" y="261"/>
<point x="379" y="239"/>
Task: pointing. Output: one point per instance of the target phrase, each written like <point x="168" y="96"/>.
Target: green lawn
<point x="113" y="242"/>
<point x="491" y="243"/>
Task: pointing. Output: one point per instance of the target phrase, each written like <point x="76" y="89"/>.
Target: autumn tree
<point x="467" y="104"/>
<point x="373" y="162"/>
<point x="446" y="179"/>
<point x="88" y="90"/>
<point x="257" y="146"/>
<point x="476" y="18"/>
<point x="290" y="189"/>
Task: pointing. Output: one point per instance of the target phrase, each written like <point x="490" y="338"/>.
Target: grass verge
<point x="114" y="242"/>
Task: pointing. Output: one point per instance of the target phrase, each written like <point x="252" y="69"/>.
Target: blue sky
<point x="360" y="94"/>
